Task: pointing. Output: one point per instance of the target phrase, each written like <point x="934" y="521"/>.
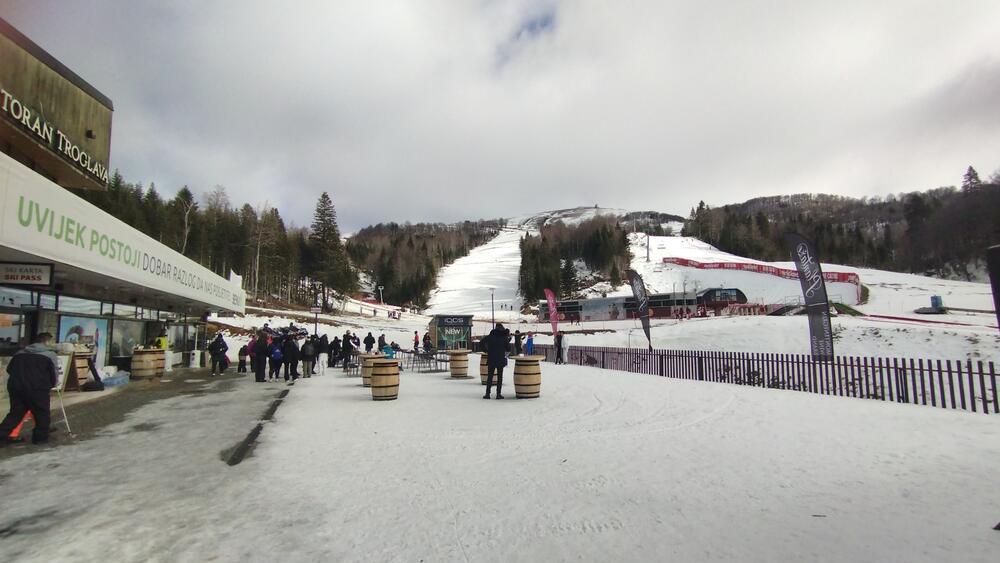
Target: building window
<point x="10" y="297"/>
<point x="124" y="311"/>
<point x="77" y="305"/>
<point x="46" y="301"/>
<point x="126" y="335"/>
<point x="11" y="333"/>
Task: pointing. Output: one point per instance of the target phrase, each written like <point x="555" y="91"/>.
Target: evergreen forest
<point x="942" y="232"/>
<point x="405" y="259"/>
<point x="548" y="259"/>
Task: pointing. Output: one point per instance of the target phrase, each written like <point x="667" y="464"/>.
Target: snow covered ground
<point x="604" y="466"/>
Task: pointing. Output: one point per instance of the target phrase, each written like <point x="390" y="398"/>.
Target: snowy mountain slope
<point x="578" y="215"/>
<point x="463" y="287"/>
<point x="759" y="288"/>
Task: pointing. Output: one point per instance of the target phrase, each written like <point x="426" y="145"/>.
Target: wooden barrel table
<point x="366" y="367"/>
<point x="148" y="363"/>
<point x="527" y="376"/>
<point x="385" y="379"/>
<point x="458" y="363"/>
<point x="483" y="367"/>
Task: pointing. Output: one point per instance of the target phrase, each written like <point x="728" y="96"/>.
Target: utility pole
<point x="647" y="247"/>
<point x="493" y="314"/>
<point x="380" y="288"/>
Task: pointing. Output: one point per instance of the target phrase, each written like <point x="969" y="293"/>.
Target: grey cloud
<point x="402" y="112"/>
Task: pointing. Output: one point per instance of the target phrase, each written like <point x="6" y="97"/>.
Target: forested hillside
<point x="942" y="232"/>
<point x="276" y="262"/>
<point x="405" y="259"/>
<point x="547" y="260"/>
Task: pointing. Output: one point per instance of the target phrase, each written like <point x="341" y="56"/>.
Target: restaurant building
<point x="66" y="266"/>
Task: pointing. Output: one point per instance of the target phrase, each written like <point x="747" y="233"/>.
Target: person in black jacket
<point x="290" y="356"/>
<point x="381" y="342"/>
<point x="260" y="352"/>
<point x="517" y="342"/>
<point x="334" y="354"/>
<point x="32" y="374"/>
<point x="308" y="357"/>
<point x="217" y="350"/>
<point x="322" y="348"/>
<point x="369" y="342"/>
<point x="346" y="346"/>
<point x="559" y="347"/>
<point x="495" y="345"/>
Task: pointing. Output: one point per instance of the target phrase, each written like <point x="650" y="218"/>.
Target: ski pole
<point x="62" y="407"/>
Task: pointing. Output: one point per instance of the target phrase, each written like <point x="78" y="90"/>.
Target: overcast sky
<point x="427" y="111"/>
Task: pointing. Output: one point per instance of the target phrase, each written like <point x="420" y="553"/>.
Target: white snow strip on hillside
<point x="464" y="286"/>
<point x="890" y="293"/>
<point x="759" y="288"/>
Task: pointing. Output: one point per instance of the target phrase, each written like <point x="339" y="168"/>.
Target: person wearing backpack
<point x="217" y="350"/>
<point x="275" y="360"/>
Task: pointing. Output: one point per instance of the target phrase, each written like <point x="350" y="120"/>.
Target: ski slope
<point x="490" y="271"/>
<point x="463" y="287"/>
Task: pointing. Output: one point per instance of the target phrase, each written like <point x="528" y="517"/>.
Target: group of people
<point x="428" y="344"/>
<point x="273" y="354"/>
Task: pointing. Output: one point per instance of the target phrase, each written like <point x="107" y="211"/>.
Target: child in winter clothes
<point x="243" y="353"/>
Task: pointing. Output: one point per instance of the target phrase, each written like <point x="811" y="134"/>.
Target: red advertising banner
<point x="553" y="311"/>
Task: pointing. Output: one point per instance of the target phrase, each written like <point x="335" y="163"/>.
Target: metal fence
<point x="964" y="384"/>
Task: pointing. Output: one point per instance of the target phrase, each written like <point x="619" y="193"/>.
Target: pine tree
<point x="330" y="262"/>
<point x="616" y="275"/>
<point x="970" y="180"/>
<point x="567" y="279"/>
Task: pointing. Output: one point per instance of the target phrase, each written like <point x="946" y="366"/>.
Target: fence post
<point x="701" y="368"/>
<point x="660" y="359"/>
